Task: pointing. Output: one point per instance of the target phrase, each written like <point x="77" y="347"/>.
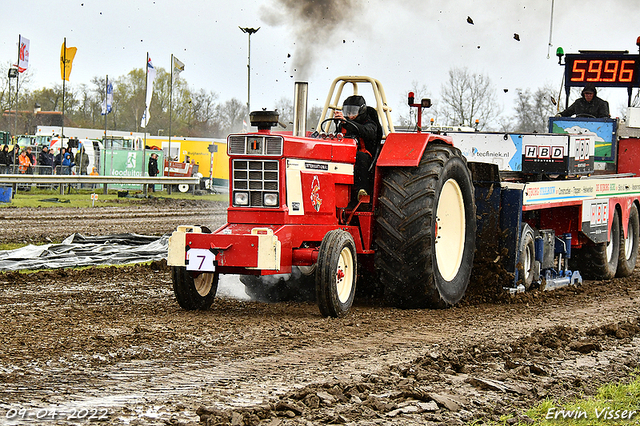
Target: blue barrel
<point x="5" y="194"/>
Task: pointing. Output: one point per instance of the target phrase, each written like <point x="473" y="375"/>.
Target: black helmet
<point x="353" y="106"/>
<point x="590" y="87"/>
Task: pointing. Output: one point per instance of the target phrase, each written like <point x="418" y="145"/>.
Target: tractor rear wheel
<point x="426" y="229"/>
<point x="336" y="273"/>
<point x="194" y="290"/>
<point x="600" y="261"/>
<point x="629" y="246"/>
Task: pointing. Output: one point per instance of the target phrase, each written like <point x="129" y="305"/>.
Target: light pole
<point x="249" y="31"/>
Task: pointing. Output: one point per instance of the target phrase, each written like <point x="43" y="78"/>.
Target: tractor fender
<point x="406" y="149"/>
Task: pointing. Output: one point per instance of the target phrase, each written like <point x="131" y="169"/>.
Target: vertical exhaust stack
<point x="300" y="96"/>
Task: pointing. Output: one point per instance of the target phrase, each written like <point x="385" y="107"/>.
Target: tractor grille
<point x="254" y="145"/>
<point x="256" y="178"/>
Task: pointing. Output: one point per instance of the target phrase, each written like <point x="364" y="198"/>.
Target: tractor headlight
<point x="270" y="199"/>
<point x="241" y="198"/>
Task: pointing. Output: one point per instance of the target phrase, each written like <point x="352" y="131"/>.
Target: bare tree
<point x="533" y="109"/>
<point x="313" y="117"/>
<point x="467" y="97"/>
<point x="128" y="95"/>
<point x="230" y="115"/>
<point x="88" y="112"/>
<point x="49" y="99"/>
<point x="285" y="110"/>
<point x="8" y="87"/>
<point x="408" y="116"/>
<point x="197" y="114"/>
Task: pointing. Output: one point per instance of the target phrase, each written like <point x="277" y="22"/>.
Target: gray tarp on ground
<point x="78" y="250"/>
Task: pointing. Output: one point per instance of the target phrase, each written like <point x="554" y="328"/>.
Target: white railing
<point x="63" y="180"/>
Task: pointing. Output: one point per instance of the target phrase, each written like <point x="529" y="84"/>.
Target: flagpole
<point x="146" y="122"/>
<point x="146" y="107"/>
<point x="64" y="87"/>
<point x="170" y="103"/>
<point x="17" y="79"/>
<point x="170" y="114"/>
<point x="106" y="101"/>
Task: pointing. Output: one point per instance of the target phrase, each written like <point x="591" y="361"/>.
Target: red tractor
<point x="414" y="236"/>
<point x="547" y="207"/>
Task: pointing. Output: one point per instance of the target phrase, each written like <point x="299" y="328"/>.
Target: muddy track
<point x="148" y="217"/>
<point x="115" y="341"/>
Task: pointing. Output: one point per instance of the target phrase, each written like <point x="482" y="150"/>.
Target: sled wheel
<point x="527" y="257"/>
<point x="336" y="274"/>
<point x="194" y="290"/>
<point x="629" y="245"/>
<point x="426" y="229"/>
<point x="184" y="188"/>
<point x="600" y="261"/>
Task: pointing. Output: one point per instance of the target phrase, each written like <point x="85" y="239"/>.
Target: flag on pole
<point x="151" y="75"/>
<point x="66" y="60"/>
<point x="177" y="67"/>
<point x="108" y="102"/>
<point x="23" y="56"/>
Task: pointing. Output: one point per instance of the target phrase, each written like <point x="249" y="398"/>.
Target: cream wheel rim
<point x="610" y="249"/>
<point x="344" y="275"/>
<point x="203" y="283"/>
<point x="527" y="261"/>
<point x="450" y="230"/>
<point x="629" y="242"/>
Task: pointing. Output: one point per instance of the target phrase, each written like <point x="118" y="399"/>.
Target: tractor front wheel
<point x="336" y="274"/>
<point x="194" y="290"/>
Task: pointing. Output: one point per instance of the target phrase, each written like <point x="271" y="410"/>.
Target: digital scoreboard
<point x="602" y="69"/>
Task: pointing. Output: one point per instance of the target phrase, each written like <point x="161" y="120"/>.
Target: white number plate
<point x="201" y="260"/>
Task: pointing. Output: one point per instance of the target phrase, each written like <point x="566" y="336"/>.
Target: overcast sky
<point x="397" y="42"/>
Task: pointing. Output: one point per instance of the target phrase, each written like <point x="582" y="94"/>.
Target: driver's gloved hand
<point x="352" y="128"/>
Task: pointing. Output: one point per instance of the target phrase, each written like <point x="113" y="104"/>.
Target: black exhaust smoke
<point x="313" y="23"/>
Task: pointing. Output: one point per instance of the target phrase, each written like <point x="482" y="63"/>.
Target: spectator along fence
<point x="43" y="177"/>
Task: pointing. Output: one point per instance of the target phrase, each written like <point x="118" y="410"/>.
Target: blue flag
<point x="106" y="104"/>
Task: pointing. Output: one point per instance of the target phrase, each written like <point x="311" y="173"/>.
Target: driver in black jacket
<point x="358" y="123"/>
<point x="589" y="105"/>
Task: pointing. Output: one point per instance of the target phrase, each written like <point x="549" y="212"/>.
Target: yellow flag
<point x="66" y="59"/>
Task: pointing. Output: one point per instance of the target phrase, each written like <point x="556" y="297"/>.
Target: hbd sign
<point x="553" y="153"/>
<point x="557" y="154"/>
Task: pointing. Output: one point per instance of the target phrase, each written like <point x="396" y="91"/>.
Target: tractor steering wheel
<point x="336" y="122"/>
<point x="585" y="115"/>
